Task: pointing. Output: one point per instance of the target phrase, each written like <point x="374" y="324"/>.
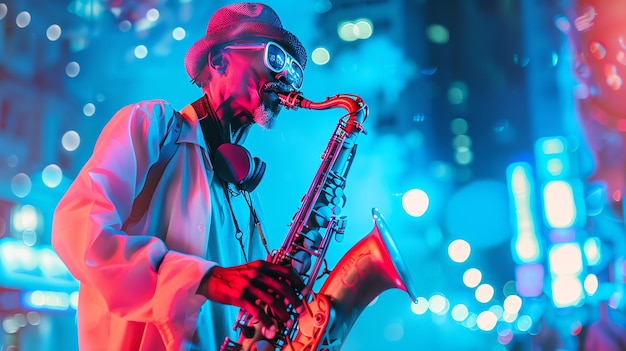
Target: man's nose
<point x="284" y="78"/>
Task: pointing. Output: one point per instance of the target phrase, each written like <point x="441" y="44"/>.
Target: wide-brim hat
<point x="242" y="21"/>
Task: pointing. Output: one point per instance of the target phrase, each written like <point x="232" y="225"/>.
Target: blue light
<point x="438" y="304"/>
<point x="47" y="300"/>
<point x="459" y="312"/>
<point x="415" y="202"/>
<point x="472" y="277"/>
<point x="567" y="291"/>
<point x="353" y="30"/>
<point x="512" y="304"/>
<point x="486" y="321"/>
<point x="591" y="284"/>
<point x="459" y="250"/>
<point x="566" y="265"/>
<point x="525" y="243"/>
<point x="33" y="267"/>
<point x="559" y="205"/>
<point x="555" y="166"/>
<point x="529" y="279"/>
<point x="553" y="158"/>
<point x="484" y="293"/>
<point x="420" y="307"/>
<point x="551" y="146"/>
<point x="527" y="248"/>
<point x="566" y="259"/>
<point x="524" y="323"/>
<point x="593" y="252"/>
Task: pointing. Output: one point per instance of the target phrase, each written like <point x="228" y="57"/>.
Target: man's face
<point x="250" y="88"/>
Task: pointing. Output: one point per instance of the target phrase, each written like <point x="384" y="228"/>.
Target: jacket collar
<point x="191" y="131"/>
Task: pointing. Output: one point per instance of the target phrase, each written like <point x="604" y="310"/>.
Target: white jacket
<point x="138" y="287"/>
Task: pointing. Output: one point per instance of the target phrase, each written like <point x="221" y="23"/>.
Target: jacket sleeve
<point x="135" y="273"/>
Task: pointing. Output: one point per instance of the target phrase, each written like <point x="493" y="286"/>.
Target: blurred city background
<point x="473" y="155"/>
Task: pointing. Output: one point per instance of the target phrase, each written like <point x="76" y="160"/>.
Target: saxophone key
<point x="311" y="240"/>
<point x="321" y="216"/>
<point x="301" y="262"/>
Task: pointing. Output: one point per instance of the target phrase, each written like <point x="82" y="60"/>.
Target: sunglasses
<point x="278" y="61"/>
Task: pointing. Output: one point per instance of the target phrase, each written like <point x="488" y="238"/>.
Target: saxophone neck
<point x="353" y="104"/>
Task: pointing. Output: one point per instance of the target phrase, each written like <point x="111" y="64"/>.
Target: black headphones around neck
<point x="232" y="162"/>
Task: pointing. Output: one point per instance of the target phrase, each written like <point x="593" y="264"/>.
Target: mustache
<point x="269" y="97"/>
<point x="275" y="87"/>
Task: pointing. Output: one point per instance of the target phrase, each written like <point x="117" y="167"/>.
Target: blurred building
<point x="37" y="293"/>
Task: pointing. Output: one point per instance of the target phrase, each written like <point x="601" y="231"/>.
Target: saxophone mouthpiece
<point x="293" y="100"/>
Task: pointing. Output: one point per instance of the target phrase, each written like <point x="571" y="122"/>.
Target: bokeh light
<point x="437" y="34"/>
<point x="347" y="31"/>
<point x="364" y="28"/>
<point x="3" y="10"/>
<point x="23" y="19"/>
<point x="53" y="32"/>
<point x="52" y="176"/>
<point x="420" y="306"/>
<point x="72" y="69"/>
<point x="415" y="202"/>
<point x="323" y="6"/>
<point x="524" y="323"/>
<point x="25" y="218"/>
<point x="21" y="185"/>
<point x="320" y="56"/>
<point x="70" y="140"/>
<point x="463" y="155"/>
<point x="459" y="250"/>
<point x="486" y="320"/>
<point x="497" y="310"/>
<point x="152" y="15"/>
<point x="462" y="141"/>
<point x="459" y="126"/>
<point x="125" y="26"/>
<point x="457" y="93"/>
<point x="472" y="277"/>
<point x="459" y="312"/>
<point x="591" y="284"/>
<point x="353" y="30"/>
<point x="179" y="33"/>
<point x="484" y="293"/>
<point x="438" y="304"/>
<point x="89" y="109"/>
<point x="141" y="51"/>
<point x="393" y="332"/>
<point x="512" y="304"/>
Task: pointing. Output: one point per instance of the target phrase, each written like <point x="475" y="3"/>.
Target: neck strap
<point x="213" y="131"/>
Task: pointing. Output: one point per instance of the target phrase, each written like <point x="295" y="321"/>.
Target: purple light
<point x="529" y="279"/>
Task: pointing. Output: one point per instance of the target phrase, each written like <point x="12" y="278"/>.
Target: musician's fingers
<point x="259" y="313"/>
<point x="286" y="294"/>
<point x="273" y="301"/>
<point x="282" y="272"/>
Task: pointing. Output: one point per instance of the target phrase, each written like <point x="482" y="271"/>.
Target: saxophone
<point x="369" y="268"/>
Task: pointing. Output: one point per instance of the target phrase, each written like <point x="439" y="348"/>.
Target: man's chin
<point x="264" y="117"/>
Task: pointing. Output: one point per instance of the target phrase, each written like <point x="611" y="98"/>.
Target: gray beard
<point x="263" y="117"/>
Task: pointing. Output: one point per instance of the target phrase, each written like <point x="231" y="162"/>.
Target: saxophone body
<point x="370" y="267"/>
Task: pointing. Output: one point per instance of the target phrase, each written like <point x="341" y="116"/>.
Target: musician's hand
<point x="253" y="287"/>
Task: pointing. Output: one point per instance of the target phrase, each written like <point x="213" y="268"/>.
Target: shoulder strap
<point x="168" y="148"/>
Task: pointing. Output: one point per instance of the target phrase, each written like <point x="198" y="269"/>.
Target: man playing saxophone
<point x="171" y="271"/>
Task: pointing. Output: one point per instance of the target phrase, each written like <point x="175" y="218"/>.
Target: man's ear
<point x="218" y="61"/>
